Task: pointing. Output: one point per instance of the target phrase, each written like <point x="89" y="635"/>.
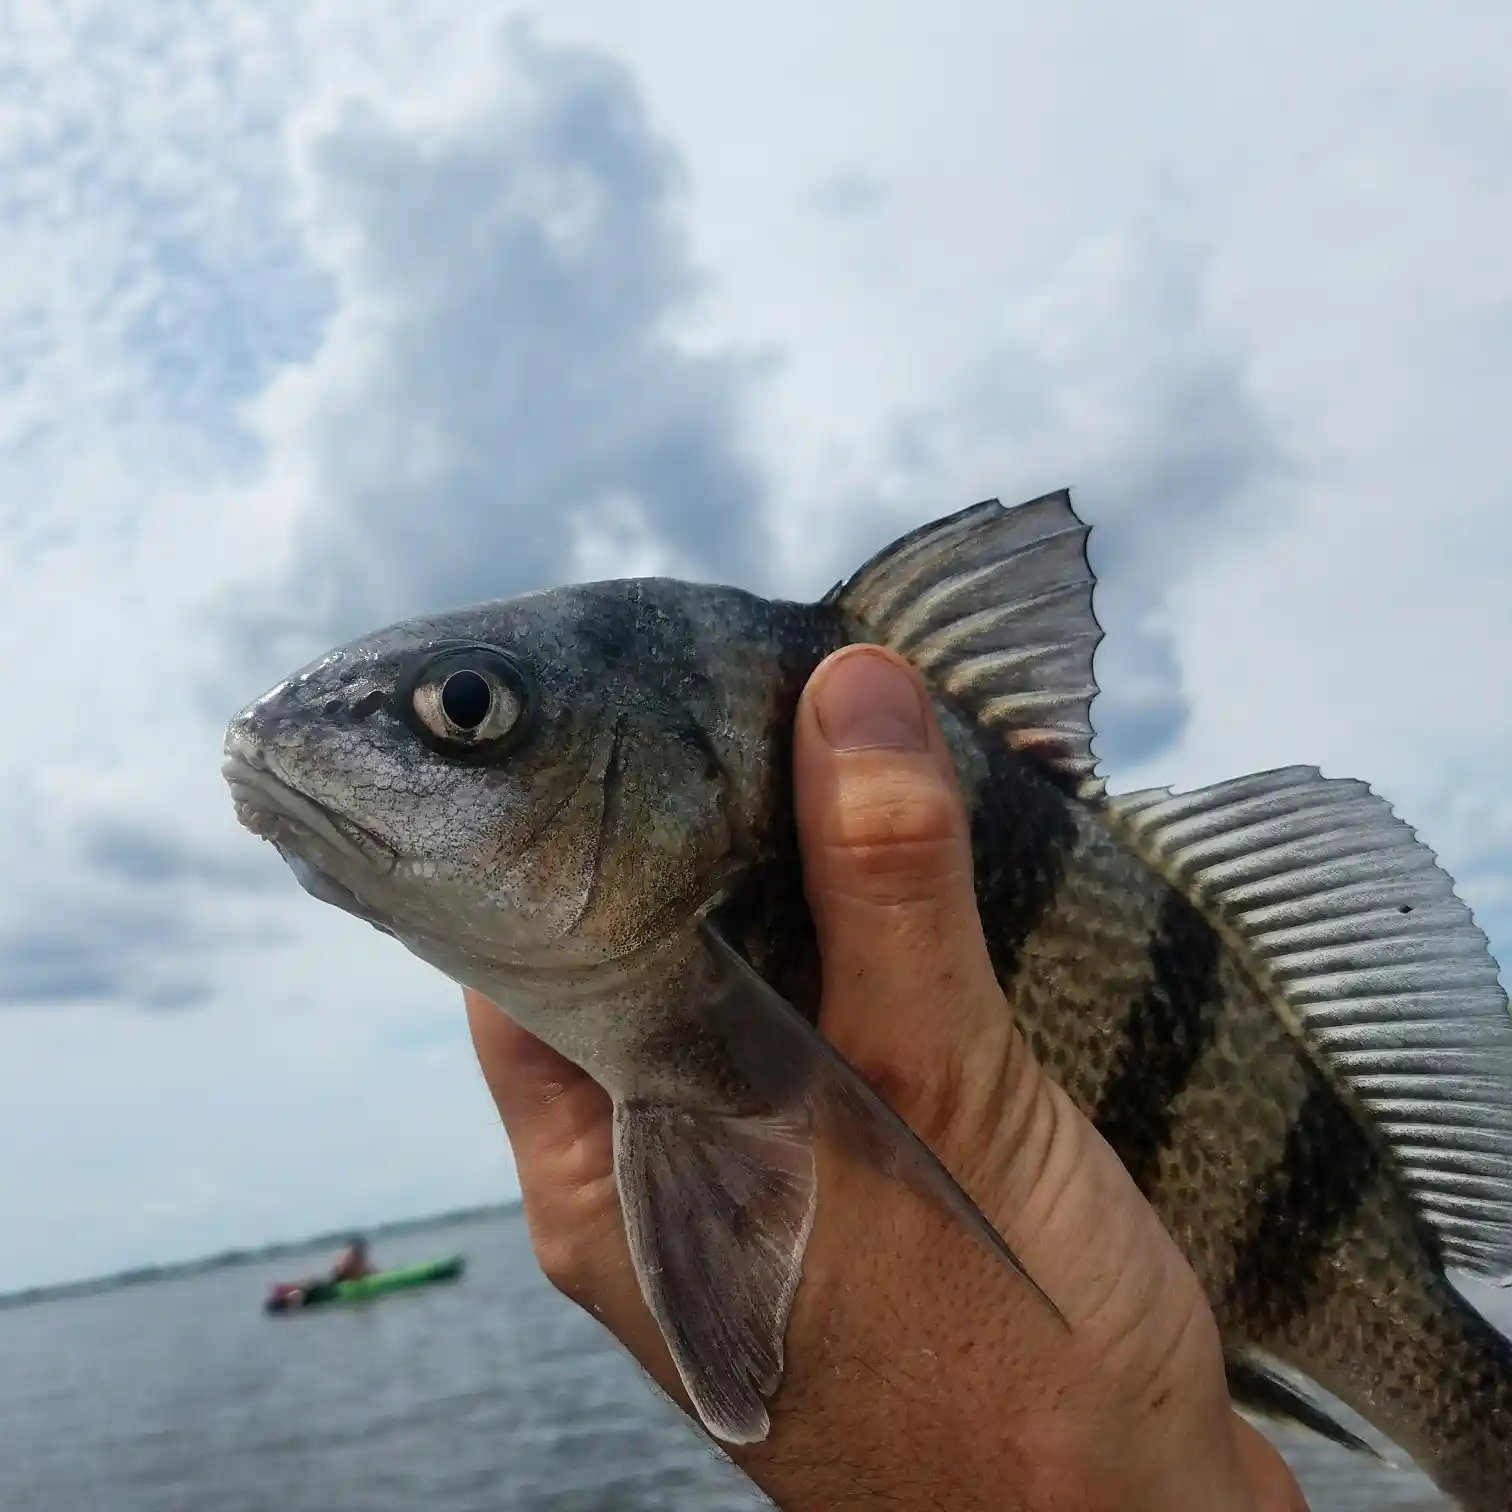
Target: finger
<point x="910" y="994"/>
<point x="553" y="1112"/>
<point x="909" y="991"/>
<point x="888" y="872"/>
<point x="560" y="1127"/>
<point x="1272" y="1483"/>
<point x="560" y="1124"/>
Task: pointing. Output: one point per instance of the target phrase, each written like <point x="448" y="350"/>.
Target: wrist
<point x="1195" y="1454"/>
<point x="1242" y="1473"/>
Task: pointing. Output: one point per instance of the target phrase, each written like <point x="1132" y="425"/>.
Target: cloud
<point x="500" y="397"/>
<point x="119" y="910"/>
<point x="150" y="279"/>
<point x="381" y="357"/>
<point x="132" y="852"/>
<point x="1115" y="380"/>
<point x="848" y="194"/>
<point x="151" y="261"/>
<point x="103" y="955"/>
<point x="315" y="314"/>
<point x="443" y="359"/>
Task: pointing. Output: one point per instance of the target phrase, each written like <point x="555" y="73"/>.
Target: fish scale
<point x="1264" y="994"/>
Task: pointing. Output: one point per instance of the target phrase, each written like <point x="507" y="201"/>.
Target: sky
<point x="316" y="315"/>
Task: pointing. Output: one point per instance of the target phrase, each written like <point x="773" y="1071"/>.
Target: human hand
<point x="918" y="1373"/>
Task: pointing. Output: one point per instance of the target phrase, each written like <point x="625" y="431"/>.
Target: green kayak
<point x="287" y="1296"/>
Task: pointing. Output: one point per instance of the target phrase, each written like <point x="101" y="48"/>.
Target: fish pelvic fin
<point x="1347" y="922"/>
<point x="994" y="607"/>
<point x="844" y="1105"/>
<point x="718" y="1205"/>
<point x="718" y="1211"/>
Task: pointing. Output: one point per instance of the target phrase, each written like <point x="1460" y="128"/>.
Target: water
<point x="493" y="1394"/>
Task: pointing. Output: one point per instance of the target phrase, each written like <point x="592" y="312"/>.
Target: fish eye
<point x="467" y="701"/>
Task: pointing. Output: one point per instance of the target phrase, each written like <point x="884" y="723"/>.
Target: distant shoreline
<point x="144" y="1275"/>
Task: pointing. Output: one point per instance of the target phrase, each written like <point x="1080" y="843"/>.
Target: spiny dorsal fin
<point x="994" y="606"/>
<point x="1347" y="918"/>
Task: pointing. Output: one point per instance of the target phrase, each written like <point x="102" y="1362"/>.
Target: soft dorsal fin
<point x="994" y="606"/>
<point x="1347" y="919"/>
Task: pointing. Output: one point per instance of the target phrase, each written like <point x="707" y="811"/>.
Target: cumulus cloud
<point x="109" y="908"/>
<point x="121" y="951"/>
<point x="433" y="361"/>
<point x="500" y="399"/>
<point x="151" y="267"/>
<point x="1116" y="382"/>
<point x="316" y="314"/>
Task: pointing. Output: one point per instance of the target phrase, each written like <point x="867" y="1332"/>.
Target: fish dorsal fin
<point x="994" y="607"/>
<point x="1347" y="919"/>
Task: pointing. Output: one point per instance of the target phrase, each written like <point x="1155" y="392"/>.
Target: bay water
<point x="486" y="1394"/>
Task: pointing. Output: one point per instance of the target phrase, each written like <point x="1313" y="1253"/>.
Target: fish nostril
<point x="243" y="744"/>
<point x="368" y="704"/>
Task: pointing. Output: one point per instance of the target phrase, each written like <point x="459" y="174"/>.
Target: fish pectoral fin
<point x="1258" y="1387"/>
<point x="718" y="1210"/>
<point x="784" y="1058"/>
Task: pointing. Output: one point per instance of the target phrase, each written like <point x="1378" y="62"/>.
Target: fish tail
<point x="1332" y="1273"/>
<point x="1441" y="1388"/>
<point x="1472" y="1459"/>
<point x="1476" y="1459"/>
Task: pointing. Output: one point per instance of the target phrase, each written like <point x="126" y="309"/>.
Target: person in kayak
<point x="352" y="1263"/>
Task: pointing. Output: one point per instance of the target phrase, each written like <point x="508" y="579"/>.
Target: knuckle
<point x="567" y="1233"/>
<point x="924" y="1092"/>
<point x="897" y="875"/>
<point x="940" y="1089"/>
<point x="895" y="838"/>
<point x="565" y="1261"/>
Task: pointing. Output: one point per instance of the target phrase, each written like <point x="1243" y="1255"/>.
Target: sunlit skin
<point x="918" y="1374"/>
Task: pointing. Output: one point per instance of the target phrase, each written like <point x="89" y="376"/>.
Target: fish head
<point x="506" y="788"/>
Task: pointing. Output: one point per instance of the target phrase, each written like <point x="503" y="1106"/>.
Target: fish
<point x="1281" y="1016"/>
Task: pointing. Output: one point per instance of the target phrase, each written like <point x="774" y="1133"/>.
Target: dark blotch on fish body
<point x="1164" y="1037"/>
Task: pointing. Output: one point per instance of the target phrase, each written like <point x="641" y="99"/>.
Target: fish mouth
<point x="268" y="806"/>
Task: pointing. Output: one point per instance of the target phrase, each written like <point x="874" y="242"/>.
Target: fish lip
<point x="271" y="807"/>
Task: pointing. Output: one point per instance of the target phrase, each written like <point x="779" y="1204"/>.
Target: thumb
<point x="888" y="872"/>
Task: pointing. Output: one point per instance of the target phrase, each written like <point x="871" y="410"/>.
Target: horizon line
<point x="143" y="1275"/>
